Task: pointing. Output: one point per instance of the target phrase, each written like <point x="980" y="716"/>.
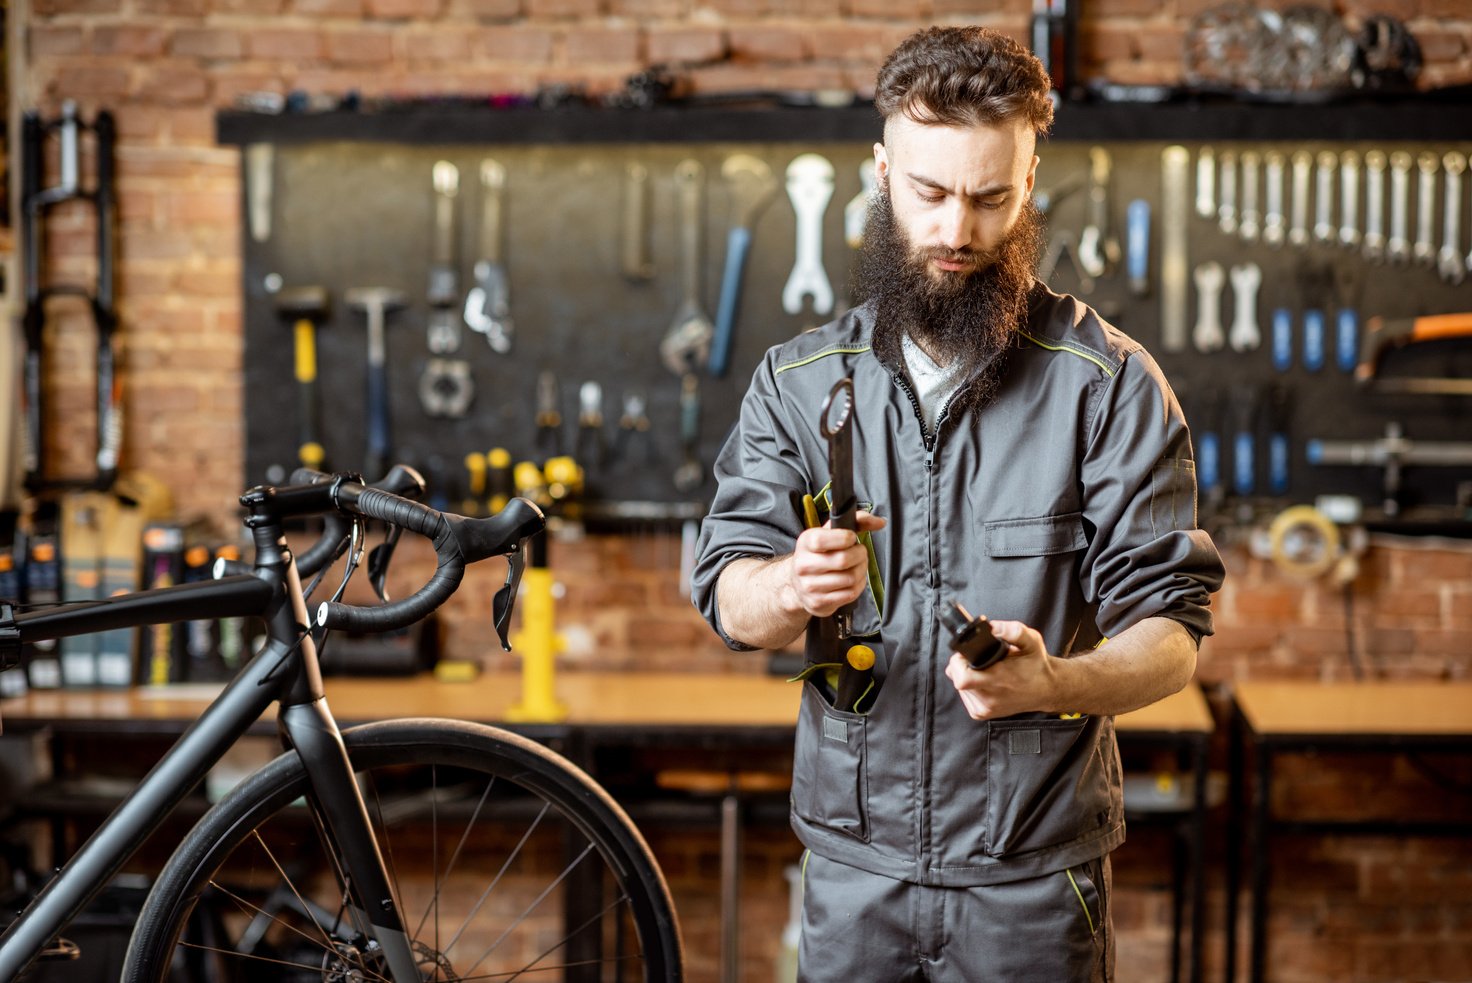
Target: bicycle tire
<point x="254" y="926"/>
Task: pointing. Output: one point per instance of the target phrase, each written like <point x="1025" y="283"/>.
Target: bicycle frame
<point x="285" y="671"/>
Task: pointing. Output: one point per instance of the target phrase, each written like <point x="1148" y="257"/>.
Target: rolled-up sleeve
<point x="1146" y="557"/>
<point x="758" y="473"/>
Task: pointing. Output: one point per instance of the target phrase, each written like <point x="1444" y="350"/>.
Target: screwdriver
<point x="972" y="637"/>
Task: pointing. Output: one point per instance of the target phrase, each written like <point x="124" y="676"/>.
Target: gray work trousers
<point x="859" y="927"/>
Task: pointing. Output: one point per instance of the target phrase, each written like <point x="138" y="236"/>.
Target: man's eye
<point x="993" y="203"/>
<point x="930" y="197"/>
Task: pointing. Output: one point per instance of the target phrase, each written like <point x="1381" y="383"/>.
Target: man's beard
<point x="964" y="320"/>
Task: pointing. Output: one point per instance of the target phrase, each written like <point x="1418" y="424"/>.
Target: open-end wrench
<point x="1424" y="251"/>
<point x="1449" y="262"/>
<point x="488" y="304"/>
<point x="1098" y="248"/>
<point x="1274" y="222"/>
<point x="1249" y="221"/>
<point x="856" y="212"/>
<point x="1349" y="199"/>
<point x="1208" y="335"/>
<point x="1226" y="207"/>
<point x="1324" y="229"/>
<point x="1303" y="164"/>
<point x="686" y="346"/>
<point x="444" y="331"/>
<point x="1245" y="334"/>
<point x="810" y="187"/>
<point x="635" y="261"/>
<point x="1398" y="246"/>
<point x="752" y="188"/>
<point x="1206" y="182"/>
<point x="691" y="472"/>
<point x="1374" y="242"/>
<point x="1174" y="220"/>
<point x="834" y="423"/>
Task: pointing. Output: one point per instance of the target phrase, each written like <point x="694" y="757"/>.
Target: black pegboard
<point x="348" y="214"/>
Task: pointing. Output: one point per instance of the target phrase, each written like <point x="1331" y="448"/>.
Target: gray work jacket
<point x="1068" y="502"/>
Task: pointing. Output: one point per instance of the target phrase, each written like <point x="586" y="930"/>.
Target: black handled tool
<point x="834" y="425"/>
<point x="972" y="637"/>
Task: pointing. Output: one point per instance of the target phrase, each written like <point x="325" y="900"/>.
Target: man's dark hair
<point x="962" y="76"/>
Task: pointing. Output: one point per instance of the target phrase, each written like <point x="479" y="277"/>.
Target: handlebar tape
<point x="401" y="480"/>
<point x="457" y="541"/>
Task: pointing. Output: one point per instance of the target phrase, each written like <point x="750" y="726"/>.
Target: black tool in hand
<point x="972" y="637"/>
<point x="834" y="424"/>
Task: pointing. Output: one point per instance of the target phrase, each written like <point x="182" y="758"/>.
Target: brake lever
<point x="505" y="598"/>
<point x="378" y="561"/>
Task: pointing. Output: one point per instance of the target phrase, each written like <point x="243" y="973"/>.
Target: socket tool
<point x="972" y="637"/>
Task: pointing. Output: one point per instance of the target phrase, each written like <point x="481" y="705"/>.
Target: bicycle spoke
<point x="533" y="906"/>
<point x="597" y="919"/>
<point x="291" y="884"/>
<point x="441" y="877"/>
<point x="246" y="906"/>
<point x="470" y="916"/>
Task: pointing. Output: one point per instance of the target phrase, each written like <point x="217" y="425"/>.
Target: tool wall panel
<point x="361" y="213"/>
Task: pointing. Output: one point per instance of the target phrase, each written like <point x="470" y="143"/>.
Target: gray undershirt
<point x="933" y="384"/>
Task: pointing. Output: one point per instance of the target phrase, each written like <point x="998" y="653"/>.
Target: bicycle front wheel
<point x="508" y="863"/>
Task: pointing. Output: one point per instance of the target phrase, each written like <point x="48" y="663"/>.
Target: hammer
<point x="375" y="303"/>
<point x="305" y="308"/>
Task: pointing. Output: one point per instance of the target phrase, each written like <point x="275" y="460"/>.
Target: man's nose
<point x="955" y="226"/>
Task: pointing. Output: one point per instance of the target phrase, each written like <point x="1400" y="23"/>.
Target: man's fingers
<point x="869" y="522"/>
<point x="1019" y="635"/>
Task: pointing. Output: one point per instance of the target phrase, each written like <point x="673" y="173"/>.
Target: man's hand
<point x="830" y="567"/>
<point x="1020" y="683"/>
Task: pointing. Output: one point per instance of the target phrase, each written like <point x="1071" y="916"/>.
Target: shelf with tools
<point x="599" y="252"/>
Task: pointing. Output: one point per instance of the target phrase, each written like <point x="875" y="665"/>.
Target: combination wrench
<point x="1098" y="249"/>
<point x="1324" y="230"/>
<point x="1303" y="164"/>
<point x="1206" y="183"/>
<point x="1208" y="335"/>
<point x="810" y="187"/>
<point x="1175" y="162"/>
<point x="1424" y="251"/>
<point x="1246" y="278"/>
<point x="1398" y="246"/>
<point x="1226" y="208"/>
<point x="1449" y="262"/>
<point x="1349" y="199"/>
<point x="1274" y="224"/>
<point x="1374" y="241"/>
<point x="1248" y="218"/>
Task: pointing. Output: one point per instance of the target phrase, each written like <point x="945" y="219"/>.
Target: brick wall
<point x="1347" y="909"/>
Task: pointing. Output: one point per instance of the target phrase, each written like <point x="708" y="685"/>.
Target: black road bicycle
<point x="407" y="850"/>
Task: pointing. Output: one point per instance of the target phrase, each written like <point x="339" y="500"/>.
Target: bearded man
<point x="1016" y="454"/>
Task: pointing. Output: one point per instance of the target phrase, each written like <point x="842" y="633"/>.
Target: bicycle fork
<point x="344" y="823"/>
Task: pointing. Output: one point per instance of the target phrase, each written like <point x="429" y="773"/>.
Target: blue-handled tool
<point x="752" y="189"/>
<point x="1137" y="246"/>
<point x="1244" y="440"/>
<point x="1313" y="339"/>
<point x="1279" y="441"/>
<point x="1282" y="339"/>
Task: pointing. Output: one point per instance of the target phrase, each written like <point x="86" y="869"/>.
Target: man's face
<point x="956" y="191"/>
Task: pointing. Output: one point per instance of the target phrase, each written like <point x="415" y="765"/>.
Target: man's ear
<point x="881" y="162"/>
<point x="1032" y="173"/>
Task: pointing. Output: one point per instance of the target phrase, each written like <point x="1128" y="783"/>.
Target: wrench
<point x="752" y="188"/>
<point x="1274" y="225"/>
<point x="1174" y="164"/>
<point x="1209" y="277"/>
<point x="1246" y="278"/>
<point x="1248" y="222"/>
<point x="634" y="253"/>
<point x="1206" y="183"/>
<point x="1398" y="247"/>
<point x="1425" y="253"/>
<point x="1449" y="262"/>
<point x="1374" y="242"/>
<point x="444" y="332"/>
<point x="1303" y="163"/>
<point x="856" y="212"/>
<point x="1098" y="249"/>
<point x="809" y="186"/>
<point x="686" y="345"/>
<point x="1324" y="230"/>
<point x="1226" y="209"/>
<point x="487" y="305"/>
<point x="1349" y="199"/>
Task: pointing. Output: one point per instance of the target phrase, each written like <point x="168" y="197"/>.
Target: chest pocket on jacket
<point x="1043" y="536"/>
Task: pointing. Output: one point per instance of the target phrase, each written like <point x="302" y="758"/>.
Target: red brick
<point x="46" y="40"/>
<point x="868" y="44"/>
<point x="1104" y="10"/>
<point x="137" y="42"/>
<point x="86" y="83"/>
<point x="521" y="45"/>
<point x="649" y="10"/>
<point x="404" y="9"/>
<point x="174" y="8"/>
<point x="600" y="44"/>
<point x="207" y="42"/>
<point x="172" y="84"/>
<point x="359" y="47"/>
<point x="258" y="8"/>
<point x="1282" y="604"/>
<point x="684" y="45"/>
<point x="327" y="8"/>
<point x="286" y="43"/>
<point x="763" y="43"/>
<point x="879" y="8"/>
<point x="58" y="8"/>
<point x="486" y="10"/>
<point x="440" y="47"/>
<point x="562" y="9"/>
